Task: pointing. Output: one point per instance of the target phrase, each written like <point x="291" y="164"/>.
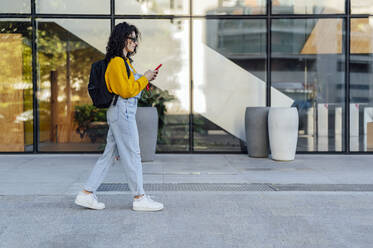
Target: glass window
<point x="229" y="7"/>
<point x="66" y="50"/>
<point x="15" y="6"/>
<point x="361" y="85"/>
<point x="308" y="6"/>
<point x="229" y="74"/>
<point x="166" y="42"/>
<point x="16" y="108"/>
<point x="361" y="7"/>
<point x="308" y="73"/>
<point x="152" y="7"/>
<point x="73" y="6"/>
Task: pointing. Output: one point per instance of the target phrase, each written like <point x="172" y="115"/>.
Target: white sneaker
<point x="88" y="201"/>
<point x="145" y="203"/>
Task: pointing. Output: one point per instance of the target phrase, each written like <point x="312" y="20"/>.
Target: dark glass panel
<point x="229" y="74"/>
<point x="308" y="70"/>
<point x="66" y="50"/>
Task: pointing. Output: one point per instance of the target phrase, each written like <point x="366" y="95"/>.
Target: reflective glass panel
<point x="229" y="7"/>
<point x="152" y="7"/>
<point x="15" y="6"/>
<point x="66" y="49"/>
<point x="361" y="7"/>
<point x="73" y="6"/>
<point x="361" y="85"/>
<point x="166" y="42"/>
<point x="308" y="6"/>
<point x="308" y="73"/>
<point x="229" y="74"/>
<point x="16" y="108"/>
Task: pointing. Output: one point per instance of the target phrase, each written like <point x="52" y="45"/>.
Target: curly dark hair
<point x="118" y="39"/>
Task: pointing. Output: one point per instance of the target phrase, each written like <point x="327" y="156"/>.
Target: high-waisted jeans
<point x="122" y="139"/>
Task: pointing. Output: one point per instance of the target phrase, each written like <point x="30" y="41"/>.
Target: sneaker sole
<point x="82" y="204"/>
<point x="147" y="209"/>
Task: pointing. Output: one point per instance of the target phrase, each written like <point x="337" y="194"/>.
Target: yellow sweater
<point x="118" y="82"/>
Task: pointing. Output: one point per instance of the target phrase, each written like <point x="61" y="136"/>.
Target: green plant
<point x="156" y="97"/>
<point x="199" y="125"/>
<point x="85" y="114"/>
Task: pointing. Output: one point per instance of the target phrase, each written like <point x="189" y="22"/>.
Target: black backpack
<point x="97" y="89"/>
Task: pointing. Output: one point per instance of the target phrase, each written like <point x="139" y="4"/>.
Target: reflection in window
<point x="152" y="7"/>
<point x="229" y="58"/>
<point x="308" y="67"/>
<point x="229" y="7"/>
<point x="16" y="115"/>
<point x="361" y="88"/>
<point x="308" y="7"/>
<point x="66" y="50"/>
<point x="361" y="7"/>
<point x="73" y="6"/>
<point x="166" y="42"/>
<point x="15" y="6"/>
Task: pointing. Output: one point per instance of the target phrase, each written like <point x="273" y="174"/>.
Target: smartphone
<point x="148" y="86"/>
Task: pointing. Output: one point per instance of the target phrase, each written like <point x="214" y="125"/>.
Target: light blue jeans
<point x="122" y="139"/>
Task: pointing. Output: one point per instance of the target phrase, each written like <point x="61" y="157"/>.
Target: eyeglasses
<point x="133" y="39"/>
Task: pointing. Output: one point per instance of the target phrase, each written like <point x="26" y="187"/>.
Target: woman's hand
<point x="150" y="75"/>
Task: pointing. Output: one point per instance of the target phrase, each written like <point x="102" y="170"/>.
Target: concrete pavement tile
<point x="266" y="221"/>
<point x="34" y="188"/>
<point x="203" y="179"/>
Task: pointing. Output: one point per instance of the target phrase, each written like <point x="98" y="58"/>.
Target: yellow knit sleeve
<point x="118" y="82"/>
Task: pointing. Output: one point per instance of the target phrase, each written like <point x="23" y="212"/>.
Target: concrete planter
<point x="283" y="133"/>
<point x="256" y="128"/>
<point x="147" y="124"/>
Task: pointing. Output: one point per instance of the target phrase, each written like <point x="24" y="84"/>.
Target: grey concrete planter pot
<point x="147" y="124"/>
<point x="256" y="128"/>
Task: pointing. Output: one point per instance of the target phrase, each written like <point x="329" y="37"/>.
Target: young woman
<point x="122" y="137"/>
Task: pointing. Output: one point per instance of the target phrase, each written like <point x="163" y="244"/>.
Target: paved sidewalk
<point x="66" y="174"/>
<point x="37" y="209"/>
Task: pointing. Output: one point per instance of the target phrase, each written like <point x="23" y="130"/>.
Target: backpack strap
<point x="128" y="74"/>
<point x="115" y="99"/>
<point x="127" y="68"/>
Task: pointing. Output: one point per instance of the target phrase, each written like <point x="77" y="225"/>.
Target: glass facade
<point x="308" y="7"/>
<point x="361" y="84"/>
<point x="229" y="63"/>
<point x="308" y="67"/>
<point x="228" y="7"/>
<point x="65" y="51"/>
<point x="15" y="6"/>
<point x="218" y="56"/>
<point x="361" y="7"/>
<point x="16" y="109"/>
<point x="167" y="42"/>
<point x="154" y="7"/>
<point x="73" y="6"/>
